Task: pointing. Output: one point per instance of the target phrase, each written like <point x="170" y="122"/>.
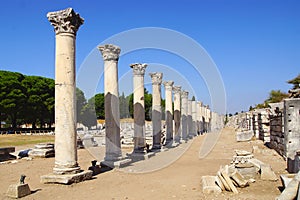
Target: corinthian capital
<point x="138" y="68"/>
<point x="156" y="78"/>
<point x="110" y="52"/>
<point x="65" y="21"/>
<point x="184" y="94"/>
<point x="177" y="89"/>
<point x="168" y="85"/>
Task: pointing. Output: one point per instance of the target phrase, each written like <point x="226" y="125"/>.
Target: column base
<point x="115" y="163"/>
<point x="67" y="178"/>
<point x="137" y="156"/>
<point x="67" y="170"/>
<point x="156" y="147"/>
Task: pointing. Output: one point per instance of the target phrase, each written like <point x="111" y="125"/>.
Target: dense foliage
<point x="30" y="100"/>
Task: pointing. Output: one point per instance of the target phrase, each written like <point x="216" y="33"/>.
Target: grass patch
<point x="19" y="140"/>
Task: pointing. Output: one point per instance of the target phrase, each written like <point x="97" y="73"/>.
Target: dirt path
<point x="179" y="180"/>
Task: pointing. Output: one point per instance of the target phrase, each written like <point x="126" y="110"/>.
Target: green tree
<point x="148" y="105"/>
<point x="98" y="100"/>
<point x="124" y="106"/>
<point x="80" y="103"/>
<point x="12" y="96"/>
<point x="39" y="107"/>
<point x="295" y="82"/>
<point x="88" y="113"/>
<point x="276" y="96"/>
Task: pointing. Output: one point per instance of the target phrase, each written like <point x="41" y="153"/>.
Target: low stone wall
<point x="277" y="134"/>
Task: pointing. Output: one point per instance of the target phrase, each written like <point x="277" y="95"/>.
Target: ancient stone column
<point x="110" y="54"/>
<point x="184" y="114"/>
<point x="139" y="107"/>
<point x="177" y="112"/>
<point x="194" y="118"/>
<point x="189" y="118"/>
<point x="156" y="109"/>
<point x="169" y="111"/>
<point x="66" y="24"/>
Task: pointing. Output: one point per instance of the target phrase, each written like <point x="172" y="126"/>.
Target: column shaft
<point x="184" y="114"/>
<point x="169" y="111"/>
<point x="177" y="112"/>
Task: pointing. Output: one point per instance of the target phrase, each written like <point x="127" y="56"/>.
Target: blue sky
<point x="255" y="44"/>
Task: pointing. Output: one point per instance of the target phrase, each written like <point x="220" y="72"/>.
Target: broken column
<point x="177" y="112"/>
<point x="110" y="54"/>
<point x="139" y="107"/>
<point x="66" y="23"/>
<point x="156" y="109"/>
<point x="184" y="114"/>
<point x="169" y="111"/>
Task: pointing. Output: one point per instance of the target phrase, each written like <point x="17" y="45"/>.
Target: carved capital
<point x="65" y="21"/>
<point x="110" y="52"/>
<point x="156" y="78"/>
<point x="200" y="103"/>
<point x="177" y="89"/>
<point x="138" y="69"/>
<point x="184" y="94"/>
<point x="168" y="85"/>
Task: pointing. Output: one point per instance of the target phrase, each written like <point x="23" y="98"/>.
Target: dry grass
<point x="18" y="140"/>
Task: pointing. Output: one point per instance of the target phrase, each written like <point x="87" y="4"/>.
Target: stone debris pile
<point x="242" y="171"/>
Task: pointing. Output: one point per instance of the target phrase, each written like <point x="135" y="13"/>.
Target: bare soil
<point x="179" y="180"/>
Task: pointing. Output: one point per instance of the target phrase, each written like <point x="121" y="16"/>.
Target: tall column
<point x="66" y="170"/>
<point x="189" y="118"/>
<point x="194" y="118"/>
<point x="177" y="112"/>
<point x="110" y="54"/>
<point x="169" y="111"/>
<point x="66" y="24"/>
<point x="139" y="107"/>
<point x="156" y="109"/>
<point x="184" y="114"/>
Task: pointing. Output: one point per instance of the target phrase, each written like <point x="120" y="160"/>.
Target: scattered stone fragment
<point x="267" y="173"/>
<point x="18" y="190"/>
<point x="239" y="179"/>
<point x="220" y="184"/>
<point x="226" y="186"/>
<point x="290" y="192"/>
<point x="286" y="179"/>
<point x="209" y="185"/>
<point x="228" y="180"/>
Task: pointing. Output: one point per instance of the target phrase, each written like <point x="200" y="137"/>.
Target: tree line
<point x="30" y="100"/>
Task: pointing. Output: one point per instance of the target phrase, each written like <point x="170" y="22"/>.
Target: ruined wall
<point x="277" y="133"/>
<point x="292" y="133"/>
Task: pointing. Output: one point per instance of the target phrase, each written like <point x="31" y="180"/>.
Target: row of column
<point x="189" y="116"/>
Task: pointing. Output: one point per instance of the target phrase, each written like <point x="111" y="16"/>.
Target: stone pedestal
<point x="66" y="23"/>
<point x="110" y="54"/>
<point x="169" y="112"/>
<point x="139" y="107"/>
<point x="18" y="190"/>
<point x="184" y="115"/>
<point x="43" y="150"/>
<point x="156" y="109"/>
<point x="177" y="112"/>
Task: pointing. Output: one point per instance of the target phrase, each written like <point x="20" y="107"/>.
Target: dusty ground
<point x="179" y="180"/>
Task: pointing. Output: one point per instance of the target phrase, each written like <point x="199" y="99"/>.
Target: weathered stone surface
<point x="290" y="192"/>
<point x="209" y="185"/>
<point x="286" y="179"/>
<point x="239" y="179"/>
<point x="42" y="153"/>
<point x="219" y="183"/>
<point x="244" y="136"/>
<point x="67" y="178"/>
<point x="18" y="190"/>
<point x="266" y="173"/>
<point x="226" y="186"/>
<point x="228" y="180"/>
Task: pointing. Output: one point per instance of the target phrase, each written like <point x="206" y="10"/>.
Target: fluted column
<point x="66" y="24"/>
<point x="156" y="109"/>
<point x="110" y="54"/>
<point x="177" y="112"/>
<point x="139" y="107"/>
<point x="169" y="111"/>
<point x="184" y="114"/>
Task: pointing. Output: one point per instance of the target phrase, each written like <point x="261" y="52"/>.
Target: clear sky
<point x="255" y="44"/>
